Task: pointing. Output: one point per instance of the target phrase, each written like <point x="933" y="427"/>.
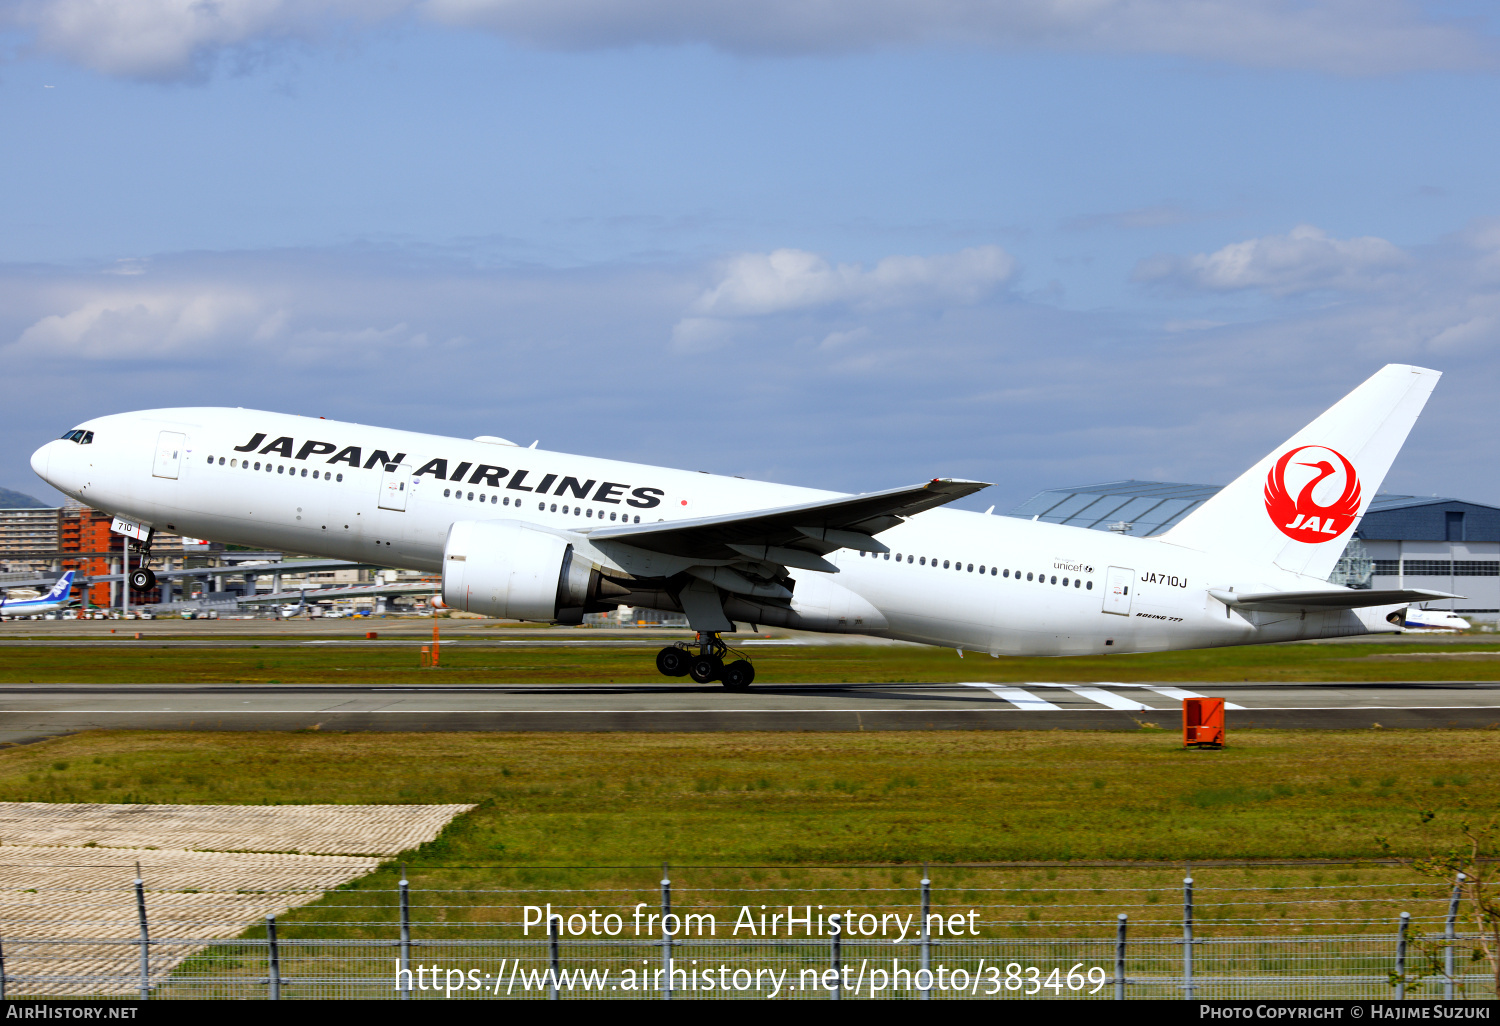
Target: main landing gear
<point x="142" y="579"/>
<point x="707" y="665"/>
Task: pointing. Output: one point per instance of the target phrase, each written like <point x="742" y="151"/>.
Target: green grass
<point x="783" y="798"/>
<point x="590" y="817"/>
<point x="144" y="662"/>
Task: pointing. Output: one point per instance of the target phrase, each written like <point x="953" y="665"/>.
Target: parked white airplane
<point x="545" y="536"/>
<point x="58" y="597"/>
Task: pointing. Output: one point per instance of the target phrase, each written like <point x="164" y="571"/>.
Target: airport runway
<point x="28" y="712"/>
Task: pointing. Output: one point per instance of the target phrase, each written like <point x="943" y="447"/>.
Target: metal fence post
<point x="552" y="925"/>
<point x="1187" y="938"/>
<point x="836" y="959"/>
<point x="1401" y="956"/>
<point x="405" y="889"/>
<point x="273" y="959"/>
<point x="926" y="936"/>
<point x="666" y="935"/>
<point x="1122" y="920"/>
<point x="1450" y="937"/>
<point x="145" y="942"/>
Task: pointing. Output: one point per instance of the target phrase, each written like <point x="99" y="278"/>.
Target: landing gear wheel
<point x="673" y="661"/>
<point x="738" y="675"/>
<point x="142" y="579"/>
<point x="706" y="668"/>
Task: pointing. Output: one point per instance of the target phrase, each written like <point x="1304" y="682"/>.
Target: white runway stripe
<point x="1016" y="697"/>
<point x="1177" y="693"/>
<point x="1108" y="698"/>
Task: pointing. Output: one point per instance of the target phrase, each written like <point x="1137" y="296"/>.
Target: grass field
<point x="143" y="662"/>
<point x="615" y="806"/>
<point x="772" y="798"/>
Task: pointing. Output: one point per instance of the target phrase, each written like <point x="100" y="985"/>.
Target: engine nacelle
<point x="510" y="571"/>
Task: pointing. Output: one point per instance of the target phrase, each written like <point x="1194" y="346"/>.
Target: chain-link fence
<point x="790" y="939"/>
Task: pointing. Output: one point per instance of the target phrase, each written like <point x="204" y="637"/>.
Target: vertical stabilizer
<point x="1299" y="506"/>
<point x="61" y="589"/>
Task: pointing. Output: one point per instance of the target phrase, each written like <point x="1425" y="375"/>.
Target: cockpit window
<point x="80" y="436"/>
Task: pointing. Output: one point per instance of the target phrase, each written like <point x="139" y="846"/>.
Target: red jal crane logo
<point x="1302" y="519"/>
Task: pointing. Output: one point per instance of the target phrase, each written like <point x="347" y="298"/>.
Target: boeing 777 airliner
<point x="545" y="536"/>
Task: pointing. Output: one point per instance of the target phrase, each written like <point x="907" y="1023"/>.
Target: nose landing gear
<point x="707" y="665"/>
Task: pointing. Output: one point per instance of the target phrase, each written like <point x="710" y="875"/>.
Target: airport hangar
<point x="1404" y="541"/>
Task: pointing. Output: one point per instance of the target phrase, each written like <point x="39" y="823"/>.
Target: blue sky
<point x="852" y="245"/>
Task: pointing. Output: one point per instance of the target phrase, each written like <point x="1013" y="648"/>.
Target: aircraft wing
<point x="353" y="591"/>
<point x="811" y="529"/>
<point x="1331" y="599"/>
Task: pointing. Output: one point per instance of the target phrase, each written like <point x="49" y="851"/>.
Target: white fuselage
<point x="318" y="486"/>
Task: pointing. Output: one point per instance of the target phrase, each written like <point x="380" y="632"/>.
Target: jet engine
<point x="510" y="571"/>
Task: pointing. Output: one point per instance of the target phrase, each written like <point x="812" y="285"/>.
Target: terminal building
<point x="1404" y="541"/>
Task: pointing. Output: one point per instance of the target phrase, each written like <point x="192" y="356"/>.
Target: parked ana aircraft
<point x="51" y="602"/>
<point x="536" y="535"/>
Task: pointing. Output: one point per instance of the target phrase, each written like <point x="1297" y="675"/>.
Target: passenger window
<point x="471" y="496"/>
<point x="1077" y="583"/>
<point x="1028" y="576"/>
<point x="315" y="475"/>
<point x="993" y="571"/>
<point x="1007" y="573"/>
<point x="340" y="477"/>
<point x="221" y="461"/>
<point x="589" y="513"/>
<point x="447" y="492"/>
<point x="612" y="516"/>
<point x="210" y="461"/>
<point x="910" y="558"/>
<point x="1090" y="586"/>
<point x="554" y="507"/>
<point x="923" y="561"/>
<point x="234" y="463"/>
<point x="971" y="568"/>
<point x="304" y="471"/>
<point x="945" y="564"/>
<point x="638" y="520"/>
<point x="565" y="509"/>
<point x="1054" y="578"/>
<point x="281" y="470"/>
<point x="1065" y="582"/>
<point x="981" y="568"/>
<point x="506" y="502"/>
<point x="257" y="465"/>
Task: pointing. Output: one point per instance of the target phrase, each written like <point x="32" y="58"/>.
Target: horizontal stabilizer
<point x="1330" y="599"/>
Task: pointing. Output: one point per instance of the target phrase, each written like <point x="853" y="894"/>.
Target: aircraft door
<point x="169" y="448"/>
<point x="395" y="484"/>
<point x="1119" y="582"/>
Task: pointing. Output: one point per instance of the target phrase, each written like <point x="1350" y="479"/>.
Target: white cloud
<point x="179" y="39"/>
<point x="150" y="324"/>
<point x="1303" y="260"/>
<point x="182" y="39"/>
<point x="787" y="281"/>
<point x="1355" y="37"/>
<point x="756" y="284"/>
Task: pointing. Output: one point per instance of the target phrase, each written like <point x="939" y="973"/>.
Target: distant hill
<point x="19" y="500"/>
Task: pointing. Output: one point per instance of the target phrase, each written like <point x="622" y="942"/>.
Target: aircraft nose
<point x="40" y="460"/>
